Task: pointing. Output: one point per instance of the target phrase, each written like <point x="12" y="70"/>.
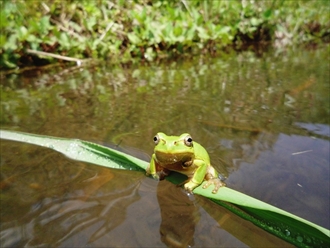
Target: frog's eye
<point x="156" y="139"/>
<point x="188" y="141"/>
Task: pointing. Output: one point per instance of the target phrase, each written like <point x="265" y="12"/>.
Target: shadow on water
<point x="264" y="120"/>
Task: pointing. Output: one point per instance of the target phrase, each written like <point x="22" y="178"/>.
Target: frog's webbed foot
<point x="191" y="185"/>
<point x="217" y="184"/>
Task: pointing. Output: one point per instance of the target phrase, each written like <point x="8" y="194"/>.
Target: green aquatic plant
<point x="135" y="30"/>
<point x="286" y="226"/>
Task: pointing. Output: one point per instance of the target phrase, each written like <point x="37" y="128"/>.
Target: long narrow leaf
<point x="79" y="150"/>
<point x="285" y="225"/>
<point x="289" y="227"/>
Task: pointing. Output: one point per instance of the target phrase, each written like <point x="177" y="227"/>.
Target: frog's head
<point x="173" y="149"/>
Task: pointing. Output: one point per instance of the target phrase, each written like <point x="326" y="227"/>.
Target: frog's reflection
<point x="179" y="215"/>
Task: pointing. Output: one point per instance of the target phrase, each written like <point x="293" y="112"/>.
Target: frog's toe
<point x="217" y="184"/>
<point x="216" y="188"/>
<point x="207" y="184"/>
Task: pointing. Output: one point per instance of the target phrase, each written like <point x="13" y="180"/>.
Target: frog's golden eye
<point x="188" y="141"/>
<point x="156" y="139"/>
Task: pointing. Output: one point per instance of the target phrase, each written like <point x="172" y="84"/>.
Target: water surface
<point x="263" y="118"/>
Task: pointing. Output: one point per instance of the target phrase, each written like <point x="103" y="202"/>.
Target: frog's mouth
<point x="170" y="158"/>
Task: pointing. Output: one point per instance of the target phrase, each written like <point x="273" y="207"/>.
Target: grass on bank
<point x="127" y="31"/>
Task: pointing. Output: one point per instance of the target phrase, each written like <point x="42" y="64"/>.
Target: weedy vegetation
<point x="128" y="31"/>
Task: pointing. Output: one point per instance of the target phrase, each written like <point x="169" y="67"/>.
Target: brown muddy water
<point x="263" y="119"/>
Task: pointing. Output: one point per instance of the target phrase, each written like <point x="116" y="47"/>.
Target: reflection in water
<point x="70" y="204"/>
<point x="295" y="166"/>
<point x="194" y="221"/>
<point x="316" y="129"/>
<point x="53" y="221"/>
<point x="179" y="217"/>
<point x="248" y="149"/>
<point x="256" y="116"/>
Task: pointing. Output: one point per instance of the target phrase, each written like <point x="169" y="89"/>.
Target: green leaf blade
<point x="80" y="150"/>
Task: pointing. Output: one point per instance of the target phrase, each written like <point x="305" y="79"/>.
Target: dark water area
<point x="264" y="119"/>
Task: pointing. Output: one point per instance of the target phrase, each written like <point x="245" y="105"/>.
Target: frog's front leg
<point x="151" y="169"/>
<point x="198" y="176"/>
<point x="155" y="170"/>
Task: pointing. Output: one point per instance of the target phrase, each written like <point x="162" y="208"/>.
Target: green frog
<point x="183" y="155"/>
